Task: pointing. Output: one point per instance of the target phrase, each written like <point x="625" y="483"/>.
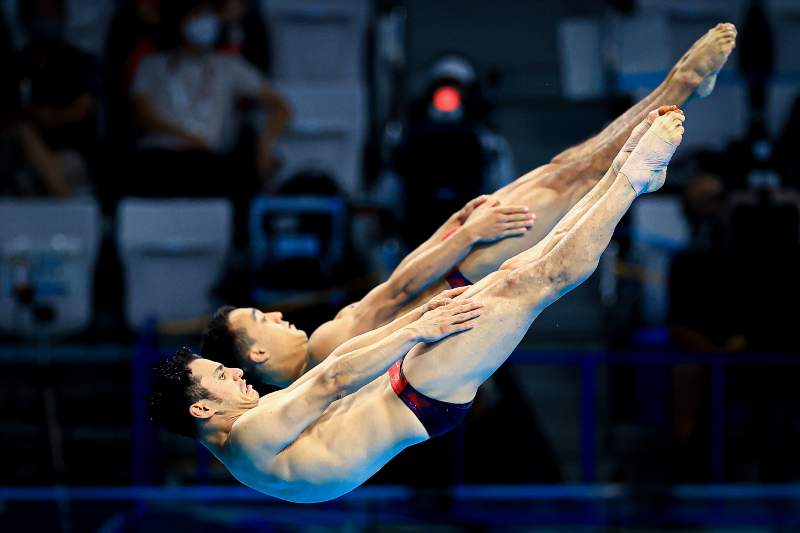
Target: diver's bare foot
<point x="637" y="134"/>
<point x="701" y="64"/>
<point x="669" y="126"/>
<point x="646" y="167"/>
<point x="661" y="111"/>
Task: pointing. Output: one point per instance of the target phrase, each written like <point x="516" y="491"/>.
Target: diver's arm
<point x="289" y="412"/>
<point x="456" y="220"/>
<point x="488" y="222"/>
<point x="429" y="266"/>
<point x="370" y="337"/>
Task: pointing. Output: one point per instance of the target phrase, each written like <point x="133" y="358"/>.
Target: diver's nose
<point x="276" y="316"/>
<point x="237" y="374"/>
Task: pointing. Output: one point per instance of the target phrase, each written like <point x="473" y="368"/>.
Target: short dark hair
<point x="224" y="344"/>
<point x="174" y="391"/>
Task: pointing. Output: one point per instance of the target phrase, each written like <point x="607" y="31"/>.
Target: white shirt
<point x="197" y="93"/>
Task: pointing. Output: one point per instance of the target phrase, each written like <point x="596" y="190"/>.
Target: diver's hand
<point x="443" y="298"/>
<point x="449" y="317"/>
<point x="492" y="222"/>
<point x="463" y="214"/>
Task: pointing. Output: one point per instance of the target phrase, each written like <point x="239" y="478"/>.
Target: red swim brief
<point x="436" y="416"/>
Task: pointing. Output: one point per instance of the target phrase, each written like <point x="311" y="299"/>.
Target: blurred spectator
<point x="765" y="242"/>
<point x="244" y="32"/>
<point x="50" y="131"/>
<point x="719" y="304"/>
<point x="185" y="100"/>
<point x="701" y="316"/>
<point x="764" y="262"/>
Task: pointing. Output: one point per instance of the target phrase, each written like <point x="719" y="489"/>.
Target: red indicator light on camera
<point x="446" y="99"/>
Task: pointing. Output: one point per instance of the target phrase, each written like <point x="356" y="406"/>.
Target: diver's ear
<point x="202" y="409"/>
<point x="257" y="356"/>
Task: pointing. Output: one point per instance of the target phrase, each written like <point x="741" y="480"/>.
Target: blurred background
<point x="312" y="145"/>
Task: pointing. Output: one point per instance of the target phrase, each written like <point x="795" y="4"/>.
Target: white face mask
<point x="202" y="31"/>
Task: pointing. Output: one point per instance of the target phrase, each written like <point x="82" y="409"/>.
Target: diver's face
<point x="229" y="389"/>
<point x="278" y="351"/>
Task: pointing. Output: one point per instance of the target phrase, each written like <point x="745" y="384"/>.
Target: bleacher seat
<point x="319" y="52"/>
<point x="780" y="102"/>
<point x="658" y="229"/>
<point x="785" y="86"/>
<point x="326" y="133"/>
<point x="580" y="57"/>
<point x="659" y="221"/>
<point x="173" y="252"/>
<point x="317" y="40"/>
<point x="636" y="60"/>
<point x="87" y="24"/>
<point x="48" y="256"/>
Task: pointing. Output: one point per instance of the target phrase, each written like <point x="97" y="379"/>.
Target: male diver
<point x="338" y="424"/>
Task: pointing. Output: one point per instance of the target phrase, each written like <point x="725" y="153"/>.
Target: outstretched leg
<point x="453" y="369"/>
<point x="484" y="260"/>
<point x="552" y="190"/>
<point x="697" y="69"/>
<point x="589" y="199"/>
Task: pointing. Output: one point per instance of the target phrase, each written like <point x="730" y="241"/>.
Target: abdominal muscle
<point x="351" y="441"/>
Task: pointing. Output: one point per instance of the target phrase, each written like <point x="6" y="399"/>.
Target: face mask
<point x="202" y="31"/>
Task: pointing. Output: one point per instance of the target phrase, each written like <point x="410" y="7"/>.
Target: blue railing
<point x="683" y="506"/>
<point x="385" y="493"/>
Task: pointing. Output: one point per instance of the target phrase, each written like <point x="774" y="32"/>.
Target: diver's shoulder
<point x="248" y="455"/>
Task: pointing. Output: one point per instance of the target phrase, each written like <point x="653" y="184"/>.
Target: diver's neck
<point x="306" y="363"/>
<point x="214" y="433"/>
<point x="312" y="357"/>
<point x="215" y="442"/>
